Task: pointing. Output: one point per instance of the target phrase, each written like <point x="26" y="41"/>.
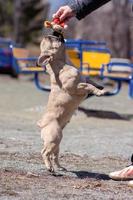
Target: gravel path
<point x="98" y="140"/>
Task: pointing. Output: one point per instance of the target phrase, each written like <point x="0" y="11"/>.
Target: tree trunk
<point x="121" y="36"/>
<point x="17" y="19"/>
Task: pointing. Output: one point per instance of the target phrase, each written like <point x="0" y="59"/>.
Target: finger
<point x="58" y="13"/>
<point x="63" y="16"/>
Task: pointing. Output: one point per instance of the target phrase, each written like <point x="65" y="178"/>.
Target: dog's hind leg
<point x="51" y="134"/>
<point x="56" y="160"/>
<point x="46" y="154"/>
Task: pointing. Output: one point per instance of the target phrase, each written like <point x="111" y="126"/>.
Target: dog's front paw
<point x="98" y="92"/>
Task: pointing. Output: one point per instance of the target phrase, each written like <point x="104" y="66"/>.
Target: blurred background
<point x="22" y="21"/>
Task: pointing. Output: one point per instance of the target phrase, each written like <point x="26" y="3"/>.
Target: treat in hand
<point x="57" y="21"/>
<point x="56" y="25"/>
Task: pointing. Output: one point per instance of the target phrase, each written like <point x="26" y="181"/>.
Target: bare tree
<point x="121" y="34"/>
<point x="28" y="19"/>
<point x="17" y="20"/>
<point x="112" y="23"/>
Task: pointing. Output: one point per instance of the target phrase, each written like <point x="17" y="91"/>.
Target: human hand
<point x="64" y="13"/>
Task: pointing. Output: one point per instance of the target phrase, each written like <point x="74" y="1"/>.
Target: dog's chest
<point x="62" y="103"/>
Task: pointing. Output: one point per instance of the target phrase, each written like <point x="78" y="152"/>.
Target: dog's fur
<point x="67" y="92"/>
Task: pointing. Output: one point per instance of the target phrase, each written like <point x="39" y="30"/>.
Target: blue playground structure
<point x="16" y="60"/>
<point x="92" y="58"/>
<point x="95" y="60"/>
<point x="118" y="72"/>
<point x="6" y="56"/>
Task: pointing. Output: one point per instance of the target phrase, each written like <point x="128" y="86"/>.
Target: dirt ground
<point x="98" y="140"/>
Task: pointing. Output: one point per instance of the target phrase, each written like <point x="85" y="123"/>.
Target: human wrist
<point x="74" y="5"/>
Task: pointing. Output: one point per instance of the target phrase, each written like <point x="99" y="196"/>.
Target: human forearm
<point x="78" y="8"/>
<point x="84" y="7"/>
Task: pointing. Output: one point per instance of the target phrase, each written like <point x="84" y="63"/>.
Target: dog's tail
<point x="39" y="123"/>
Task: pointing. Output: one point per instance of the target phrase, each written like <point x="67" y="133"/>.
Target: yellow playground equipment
<point x="74" y="56"/>
<point x="87" y="58"/>
<point x="93" y="61"/>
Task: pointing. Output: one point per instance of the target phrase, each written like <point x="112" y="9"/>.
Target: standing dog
<point x="67" y="92"/>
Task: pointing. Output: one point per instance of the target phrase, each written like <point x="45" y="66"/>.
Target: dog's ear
<point x="45" y="53"/>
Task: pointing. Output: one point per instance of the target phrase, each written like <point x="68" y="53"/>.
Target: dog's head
<point x="50" y="45"/>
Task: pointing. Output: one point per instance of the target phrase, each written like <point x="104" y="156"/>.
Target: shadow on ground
<point x="85" y="174"/>
<point x="105" y="114"/>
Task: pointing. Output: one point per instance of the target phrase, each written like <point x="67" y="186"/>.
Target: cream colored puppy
<point x="67" y="92"/>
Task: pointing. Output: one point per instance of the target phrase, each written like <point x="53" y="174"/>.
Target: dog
<point x="67" y="92"/>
